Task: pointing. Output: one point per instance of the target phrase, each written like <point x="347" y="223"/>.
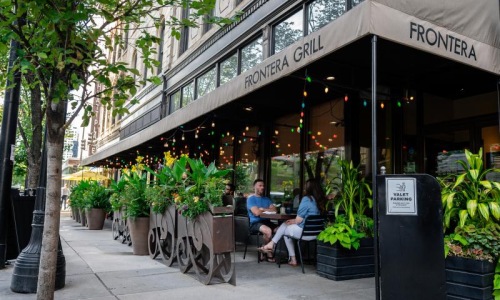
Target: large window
<point x="251" y="54"/>
<point x="288" y="31"/>
<point x="175" y="101"/>
<point x="322" y="12"/>
<point x="228" y="69"/>
<point x="187" y="94"/>
<point x="206" y="82"/>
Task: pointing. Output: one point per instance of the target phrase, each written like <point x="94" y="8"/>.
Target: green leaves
<point x="468" y="198"/>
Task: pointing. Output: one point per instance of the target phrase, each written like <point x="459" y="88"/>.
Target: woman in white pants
<point x="308" y="206"/>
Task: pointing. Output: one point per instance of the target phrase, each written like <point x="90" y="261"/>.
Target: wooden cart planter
<point x="205" y="245"/>
<point x="119" y="227"/>
<point x="469" y="278"/>
<point x="163" y="235"/>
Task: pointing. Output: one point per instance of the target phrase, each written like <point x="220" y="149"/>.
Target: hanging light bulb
<point x="213" y="124"/>
<point x="382" y="105"/>
<point x="182" y="138"/>
<point x="305" y="93"/>
<point x="346" y="98"/>
<point x="173" y="140"/>
<point x="246" y="128"/>
<point x="326" y="90"/>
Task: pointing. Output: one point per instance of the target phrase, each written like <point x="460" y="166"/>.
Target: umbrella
<point x="85" y="175"/>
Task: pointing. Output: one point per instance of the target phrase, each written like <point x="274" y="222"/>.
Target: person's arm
<point x="301" y="212"/>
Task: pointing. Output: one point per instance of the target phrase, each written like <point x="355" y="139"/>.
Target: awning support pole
<point x="374" y="163"/>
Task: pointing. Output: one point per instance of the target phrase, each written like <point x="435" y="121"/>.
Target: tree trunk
<point x="48" y="256"/>
<point x="35" y="153"/>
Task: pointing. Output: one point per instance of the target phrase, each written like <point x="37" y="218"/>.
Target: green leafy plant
<point x="496" y="282"/>
<point x="203" y="188"/>
<point x="96" y="196"/>
<point x="116" y="194"/>
<point x="134" y="198"/>
<point x="468" y="197"/>
<point x="158" y="197"/>
<point x="476" y="243"/>
<point x="340" y="231"/>
<point x="77" y="195"/>
<point x="353" y="196"/>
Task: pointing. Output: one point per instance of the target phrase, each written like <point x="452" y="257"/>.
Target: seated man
<point x="257" y="204"/>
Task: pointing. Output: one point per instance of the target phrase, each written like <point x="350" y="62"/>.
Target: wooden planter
<point x="95" y="218"/>
<point x="205" y="245"/>
<point x="162" y="236"/>
<point x="338" y="263"/>
<point x="469" y="278"/>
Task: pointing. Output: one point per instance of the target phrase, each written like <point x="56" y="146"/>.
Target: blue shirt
<point x="307" y="207"/>
<point x="259" y="202"/>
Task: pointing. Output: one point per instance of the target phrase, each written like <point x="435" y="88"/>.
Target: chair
<point x="248" y="240"/>
<point x="313" y="225"/>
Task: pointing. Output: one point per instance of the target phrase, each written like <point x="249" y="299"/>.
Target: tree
<point x="63" y="47"/>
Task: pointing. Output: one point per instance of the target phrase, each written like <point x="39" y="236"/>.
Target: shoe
<point x="292" y="264"/>
<point x="265" y="250"/>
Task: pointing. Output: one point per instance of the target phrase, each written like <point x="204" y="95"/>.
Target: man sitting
<point x="257" y="204"/>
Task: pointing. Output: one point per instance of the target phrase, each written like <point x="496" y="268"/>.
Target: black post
<point x="7" y="143"/>
<point x="25" y="274"/>
<point x="374" y="165"/>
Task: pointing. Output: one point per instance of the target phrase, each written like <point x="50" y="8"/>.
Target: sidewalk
<point x="98" y="267"/>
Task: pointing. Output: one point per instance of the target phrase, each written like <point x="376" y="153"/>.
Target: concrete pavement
<point x="98" y="267"/>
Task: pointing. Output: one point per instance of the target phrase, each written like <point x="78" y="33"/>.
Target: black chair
<point x="248" y="240"/>
<point x="313" y="225"/>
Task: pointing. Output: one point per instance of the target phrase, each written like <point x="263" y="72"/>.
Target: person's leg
<point x="266" y="232"/>
<point x="295" y="231"/>
<point x="277" y="236"/>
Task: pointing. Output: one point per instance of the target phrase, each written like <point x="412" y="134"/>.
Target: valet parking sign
<point x="401" y="196"/>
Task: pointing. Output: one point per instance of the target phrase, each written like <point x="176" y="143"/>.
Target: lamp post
<point x="7" y="142"/>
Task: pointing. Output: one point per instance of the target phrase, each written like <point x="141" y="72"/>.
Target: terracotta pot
<point x="95" y="218"/>
<point x="139" y="229"/>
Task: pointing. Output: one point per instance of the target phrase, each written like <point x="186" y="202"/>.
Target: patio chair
<point x="249" y="238"/>
<point x="313" y="225"/>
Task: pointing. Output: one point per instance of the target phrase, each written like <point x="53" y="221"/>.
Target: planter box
<point x="469" y="278"/>
<point x="205" y="245"/>
<point x="337" y="263"/>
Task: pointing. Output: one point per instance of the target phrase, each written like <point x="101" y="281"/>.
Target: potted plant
<point x="78" y="200"/>
<point x="345" y="246"/>
<point x="137" y="207"/>
<point x="471" y="207"/>
<point x="96" y="204"/>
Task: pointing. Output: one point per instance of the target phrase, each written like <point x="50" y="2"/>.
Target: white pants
<point x="291" y="230"/>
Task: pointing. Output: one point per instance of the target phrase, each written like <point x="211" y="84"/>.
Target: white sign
<point x="401" y="196"/>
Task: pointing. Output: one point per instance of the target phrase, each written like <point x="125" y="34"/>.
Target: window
<point x="288" y="31"/>
<point x="145" y="75"/>
<point x="184" y="40"/>
<point x="206" y="83"/>
<point x="207" y="25"/>
<point x="229" y="69"/>
<point x="175" y="101"/>
<point x="187" y="94"/>
<point x="134" y="63"/>
<point x="161" y="35"/>
<point x="251" y="54"/>
<point x="322" y="12"/>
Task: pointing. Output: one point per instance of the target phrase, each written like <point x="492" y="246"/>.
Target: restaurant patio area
<point x="98" y="267"/>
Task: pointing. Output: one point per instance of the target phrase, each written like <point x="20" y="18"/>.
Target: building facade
<point x="289" y="88"/>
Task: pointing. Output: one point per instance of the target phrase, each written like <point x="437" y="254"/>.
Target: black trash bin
<point x="19" y="219"/>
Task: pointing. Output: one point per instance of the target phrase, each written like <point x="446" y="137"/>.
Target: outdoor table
<point x="279" y="217"/>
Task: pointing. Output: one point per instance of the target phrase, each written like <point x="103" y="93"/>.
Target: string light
<point x="346" y="98"/>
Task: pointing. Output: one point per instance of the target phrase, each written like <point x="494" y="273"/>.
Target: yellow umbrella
<point x="85" y="175"/>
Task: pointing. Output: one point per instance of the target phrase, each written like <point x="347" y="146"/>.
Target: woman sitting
<point x="308" y="206"/>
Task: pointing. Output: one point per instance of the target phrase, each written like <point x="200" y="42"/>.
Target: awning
<point x="429" y="29"/>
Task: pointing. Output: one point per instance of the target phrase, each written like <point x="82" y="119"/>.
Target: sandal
<point x="271" y="259"/>
<point x="265" y="250"/>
